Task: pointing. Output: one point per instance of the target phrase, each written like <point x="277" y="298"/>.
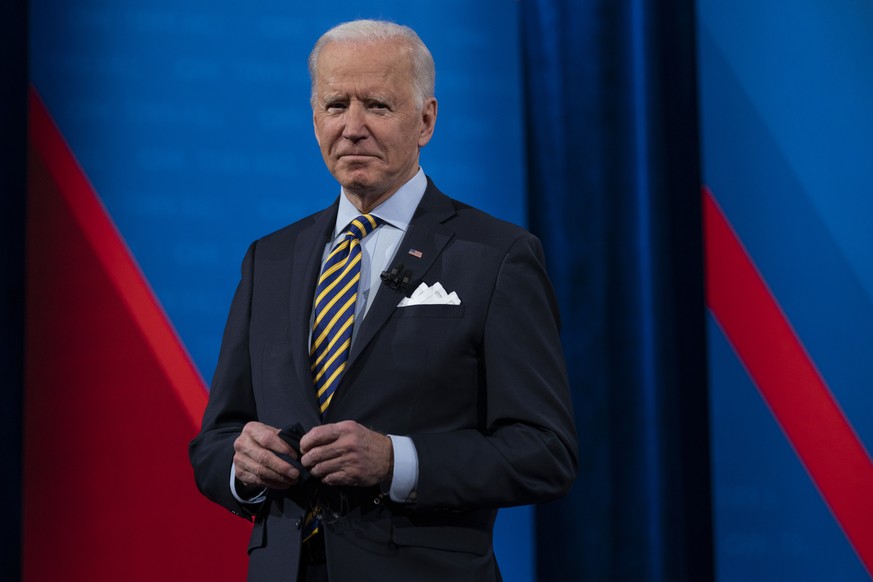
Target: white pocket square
<point x="433" y="295"/>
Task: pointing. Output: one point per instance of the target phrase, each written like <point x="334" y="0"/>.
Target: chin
<point x="355" y="181"/>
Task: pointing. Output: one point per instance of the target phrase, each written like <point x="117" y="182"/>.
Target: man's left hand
<point x="346" y="453"/>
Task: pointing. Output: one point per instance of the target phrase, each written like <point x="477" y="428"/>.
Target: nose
<point x="355" y="128"/>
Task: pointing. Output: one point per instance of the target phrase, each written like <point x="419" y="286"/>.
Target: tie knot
<point x="362" y="226"/>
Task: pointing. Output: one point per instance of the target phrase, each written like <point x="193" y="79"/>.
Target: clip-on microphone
<point x="398" y="277"/>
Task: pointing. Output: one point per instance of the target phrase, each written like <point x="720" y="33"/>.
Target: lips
<point x="356" y="155"/>
<point x="357" y="159"/>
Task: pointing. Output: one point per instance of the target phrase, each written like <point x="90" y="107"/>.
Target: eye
<point x="379" y="106"/>
<point x="335" y="107"/>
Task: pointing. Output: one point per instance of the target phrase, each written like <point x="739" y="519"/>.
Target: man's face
<point x="366" y="120"/>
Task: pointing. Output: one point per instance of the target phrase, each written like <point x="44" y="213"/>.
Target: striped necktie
<point x="335" y="298"/>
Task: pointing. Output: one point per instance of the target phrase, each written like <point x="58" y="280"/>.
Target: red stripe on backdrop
<point x="111" y="401"/>
<point x="116" y="259"/>
<point x="788" y="380"/>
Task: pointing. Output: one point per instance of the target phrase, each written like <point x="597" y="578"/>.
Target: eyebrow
<point x="380" y="97"/>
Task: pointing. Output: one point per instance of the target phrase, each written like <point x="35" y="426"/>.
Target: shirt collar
<point x="397" y="210"/>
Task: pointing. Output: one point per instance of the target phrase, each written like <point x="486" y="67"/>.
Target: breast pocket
<point x="430" y="311"/>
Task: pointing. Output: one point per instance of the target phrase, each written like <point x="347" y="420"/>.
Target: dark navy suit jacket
<point x="481" y="389"/>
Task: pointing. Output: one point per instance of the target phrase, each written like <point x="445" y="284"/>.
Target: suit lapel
<point x="308" y="251"/>
<point x="426" y="234"/>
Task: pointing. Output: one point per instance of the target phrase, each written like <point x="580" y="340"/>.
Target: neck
<point x="365" y="202"/>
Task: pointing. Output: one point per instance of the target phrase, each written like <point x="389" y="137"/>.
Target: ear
<point x="428" y="121"/>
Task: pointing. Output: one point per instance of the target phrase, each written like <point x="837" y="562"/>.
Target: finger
<point x="326" y="467"/>
<point x="341" y="471"/>
<point x="343" y="441"/>
<point x="270" y="461"/>
<point x="346" y="471"/>
<point x="267" y="472"/>
<point x="257" y="462"/>
<point x="361" y="462"/>
<point x="253" y="472"/>
<point x="320" y="436"/>
<point x="322" y="453"/>
<point x="341" y="479"/>
<point x="267" y="437"/>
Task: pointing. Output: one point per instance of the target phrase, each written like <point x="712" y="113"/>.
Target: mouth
<point x="357" y="160"/>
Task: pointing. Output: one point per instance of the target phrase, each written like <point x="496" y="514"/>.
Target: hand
<point x="346" y="453"/>
<point x="255" y="462"/>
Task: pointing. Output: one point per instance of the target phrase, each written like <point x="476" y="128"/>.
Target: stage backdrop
<point x="787" y="121"/>
<point x="164" y="137"/>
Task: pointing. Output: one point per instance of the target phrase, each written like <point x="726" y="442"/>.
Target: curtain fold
<point x="614" y="196"/>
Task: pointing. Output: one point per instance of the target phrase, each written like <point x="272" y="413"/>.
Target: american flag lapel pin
<point x="415" y="253"/>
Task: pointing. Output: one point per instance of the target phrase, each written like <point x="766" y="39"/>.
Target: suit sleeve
<point x="525" y="449"/>
<point x="231" y="401"/>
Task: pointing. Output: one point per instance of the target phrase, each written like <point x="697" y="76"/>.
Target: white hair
<point x="370" y="31"/>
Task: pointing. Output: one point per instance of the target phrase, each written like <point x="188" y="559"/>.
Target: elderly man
<point x="391" y="371"/>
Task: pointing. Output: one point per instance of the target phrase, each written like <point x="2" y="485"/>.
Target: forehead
<point x="381" y="65"/>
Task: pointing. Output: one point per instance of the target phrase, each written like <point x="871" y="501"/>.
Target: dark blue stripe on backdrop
<point x="13" y="168"/>
<point x="614" y="195"/>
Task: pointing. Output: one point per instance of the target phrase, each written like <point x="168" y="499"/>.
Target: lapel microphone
<point x="398" y="277"/>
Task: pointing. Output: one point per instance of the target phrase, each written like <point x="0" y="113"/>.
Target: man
<point x="423" y="399"/>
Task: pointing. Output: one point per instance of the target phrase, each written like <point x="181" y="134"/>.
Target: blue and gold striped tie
<point x="335" y="298"/>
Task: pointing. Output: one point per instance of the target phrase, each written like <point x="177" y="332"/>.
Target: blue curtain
<point x="614" y="195"/>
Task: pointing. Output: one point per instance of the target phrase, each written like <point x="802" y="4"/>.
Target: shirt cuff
<point x="405" y="477"/>
<point x="259" y="498"/>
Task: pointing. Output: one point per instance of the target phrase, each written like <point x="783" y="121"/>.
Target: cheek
<point x="325" y="133"/>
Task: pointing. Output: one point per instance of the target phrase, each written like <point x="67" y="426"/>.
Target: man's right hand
<point x="255" y="462"/>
